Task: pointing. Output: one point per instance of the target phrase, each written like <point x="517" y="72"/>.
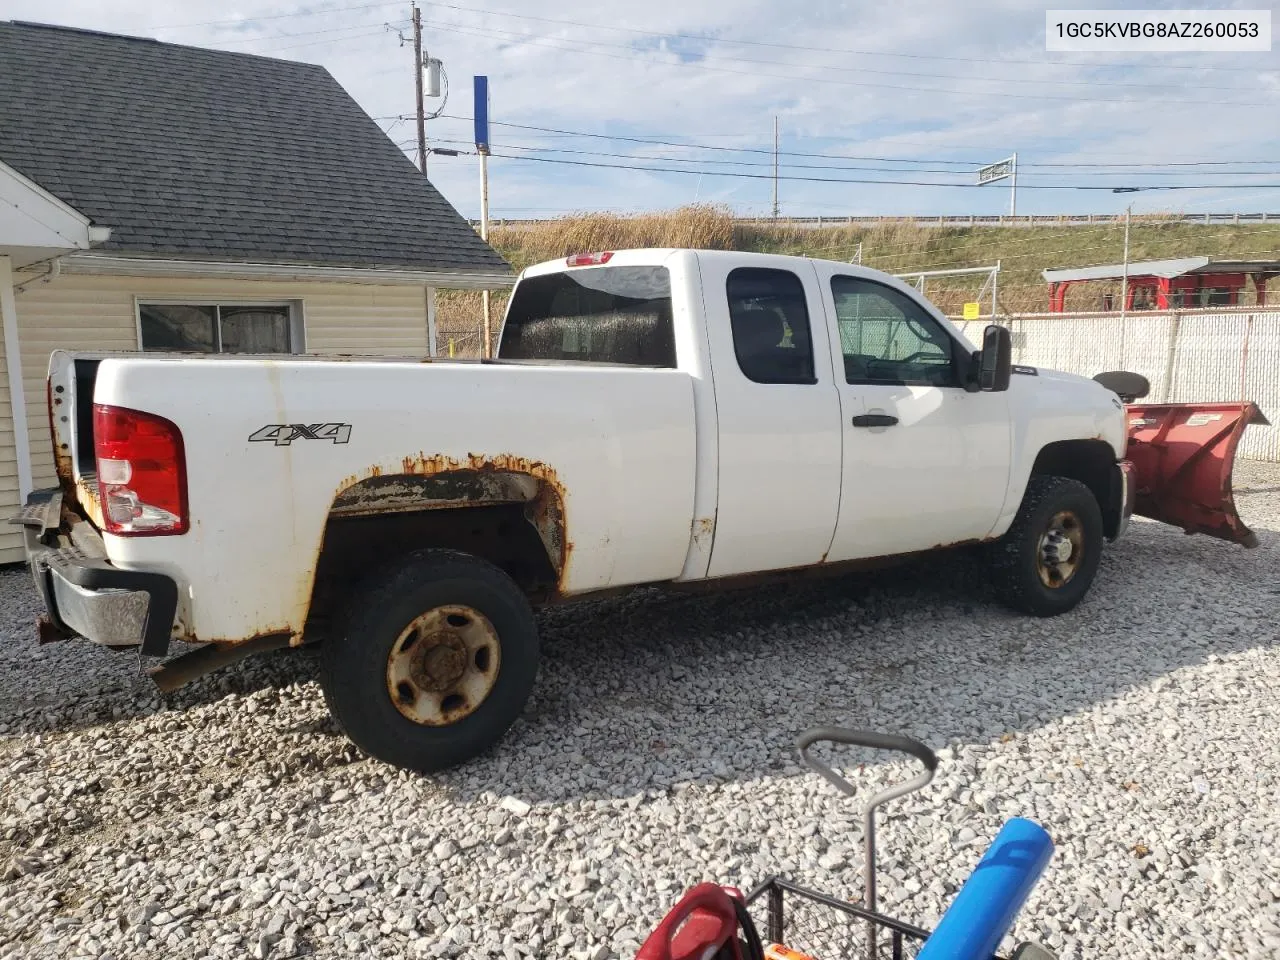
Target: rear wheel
<point x="1046" y="562"/>
<point x="435" y="661"/>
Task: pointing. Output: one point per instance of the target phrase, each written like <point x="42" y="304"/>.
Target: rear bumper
<point x="83" y="593"/>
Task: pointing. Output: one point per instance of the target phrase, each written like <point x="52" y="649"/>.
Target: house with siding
<point x="162" y="197"/>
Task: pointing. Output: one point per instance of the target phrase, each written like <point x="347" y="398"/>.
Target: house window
<point x="220" y="327"/>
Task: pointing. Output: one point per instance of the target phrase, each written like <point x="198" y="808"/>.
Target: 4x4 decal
<point x="283" y="434"/>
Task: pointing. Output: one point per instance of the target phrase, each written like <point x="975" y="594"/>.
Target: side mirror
<point x="995" y="362"/>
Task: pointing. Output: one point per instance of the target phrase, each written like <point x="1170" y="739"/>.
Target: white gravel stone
<point x="231" y="818"/>
<point x="515" y="805"/>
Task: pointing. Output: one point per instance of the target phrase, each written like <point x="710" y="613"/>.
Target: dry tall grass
<point x="458" y="315"/>
<point x="892" y="246"/>
<point x="702" y="226"/>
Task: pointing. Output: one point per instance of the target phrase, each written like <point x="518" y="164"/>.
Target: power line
<point x="307" y="33"/>
<point x="905" y="183"/>
<point x="530" y="40"/>
<point x="240" y="21"/>
<point x="820" y="166"/>
<point x="381" y="31"/>
<point x="967" y="165"/>
<point x="845" y="51"/>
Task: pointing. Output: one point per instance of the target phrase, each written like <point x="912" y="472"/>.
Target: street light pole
<point x="775" y="166"/>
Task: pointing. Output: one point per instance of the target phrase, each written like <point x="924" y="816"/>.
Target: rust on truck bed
<point x="434" y="481"/>
<point x="506" y="509"/>
<point x="426" y="484"/>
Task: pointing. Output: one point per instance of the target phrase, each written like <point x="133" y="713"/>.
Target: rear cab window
<point x="608" y="314"/>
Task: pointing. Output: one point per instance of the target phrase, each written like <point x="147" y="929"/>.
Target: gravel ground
<point x="232" y="818"/>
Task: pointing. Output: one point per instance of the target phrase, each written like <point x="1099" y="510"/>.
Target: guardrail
<point x="970" y="220"/>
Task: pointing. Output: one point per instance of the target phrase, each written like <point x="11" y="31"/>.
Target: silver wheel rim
<point x="1061" y="550"/>
<point x="443" y="665"/>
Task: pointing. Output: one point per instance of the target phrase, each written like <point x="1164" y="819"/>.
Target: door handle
<point x="875" y="420"/>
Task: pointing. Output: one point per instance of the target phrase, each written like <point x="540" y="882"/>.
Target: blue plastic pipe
<point x="984" y="909"/>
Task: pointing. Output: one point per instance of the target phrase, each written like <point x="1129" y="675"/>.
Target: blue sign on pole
<point x="481" y="114"/>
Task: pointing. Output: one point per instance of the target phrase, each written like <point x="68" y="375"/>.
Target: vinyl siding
<point x="11" y="549"/>
<point x="97" y="313"/>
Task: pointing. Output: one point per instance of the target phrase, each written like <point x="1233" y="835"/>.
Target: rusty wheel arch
<point x="508" y="510"/>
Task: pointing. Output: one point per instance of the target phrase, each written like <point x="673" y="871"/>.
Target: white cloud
<point x="929" y="80"/>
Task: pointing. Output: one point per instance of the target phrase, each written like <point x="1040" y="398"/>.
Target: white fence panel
<point x="1188" y="356"/>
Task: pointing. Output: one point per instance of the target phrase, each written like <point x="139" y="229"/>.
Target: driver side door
<point x="925" y="462"/>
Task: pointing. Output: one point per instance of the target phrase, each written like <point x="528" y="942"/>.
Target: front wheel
<point x="434" y="663"/>
<point x="1046" y="562"/>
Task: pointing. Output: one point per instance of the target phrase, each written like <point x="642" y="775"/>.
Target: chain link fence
<point x="1188" y="355"/>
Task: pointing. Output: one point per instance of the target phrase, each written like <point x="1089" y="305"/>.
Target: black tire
<point x="1015" y="559"/>
<point x="354" y="662"/>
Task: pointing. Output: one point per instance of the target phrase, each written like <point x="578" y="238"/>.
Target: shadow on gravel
<point x="657" y="689"/>
<point x="1246" y="489"/>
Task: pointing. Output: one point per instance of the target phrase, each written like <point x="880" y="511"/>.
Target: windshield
<point x="593" y="315"/>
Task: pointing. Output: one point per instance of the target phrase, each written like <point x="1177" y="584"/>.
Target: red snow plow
<point x="1183" y="455"/>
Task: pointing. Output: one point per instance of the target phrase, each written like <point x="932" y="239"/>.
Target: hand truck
<point x="714" y="922"/>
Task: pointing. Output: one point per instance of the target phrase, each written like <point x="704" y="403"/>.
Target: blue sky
<point x="914" y="91"/>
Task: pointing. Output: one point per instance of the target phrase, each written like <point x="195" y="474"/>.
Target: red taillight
<point x="589" y="259"/>
<point x="142" y="472"/>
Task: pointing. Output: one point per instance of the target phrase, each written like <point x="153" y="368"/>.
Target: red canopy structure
<point x="1162" y="284"/>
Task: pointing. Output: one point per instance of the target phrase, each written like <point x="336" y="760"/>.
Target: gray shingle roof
<point x="204" y="154"/>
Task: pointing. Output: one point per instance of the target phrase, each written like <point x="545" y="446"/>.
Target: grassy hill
<point x="893" y="247"/>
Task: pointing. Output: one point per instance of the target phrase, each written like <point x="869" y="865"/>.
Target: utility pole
<point x="775" y="166"/>
<point x="484" y="235"/>
<point x="1124" y="284"/>
<point x="417" y="76"/>
<point x="480" y="115"/>
<point x="995" y="292"/>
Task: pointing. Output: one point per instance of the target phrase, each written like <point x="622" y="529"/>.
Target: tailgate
<point x="71" y="380"/>
<point x="1183" y="455"/>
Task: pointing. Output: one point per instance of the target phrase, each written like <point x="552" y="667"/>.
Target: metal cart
<point x="781" y="920"/>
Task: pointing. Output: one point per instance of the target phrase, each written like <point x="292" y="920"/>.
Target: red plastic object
<point x="704" y="924"/>
<point x="1183" y="454"/>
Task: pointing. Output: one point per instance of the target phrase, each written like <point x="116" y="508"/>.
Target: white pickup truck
<point x="654" y="417"/>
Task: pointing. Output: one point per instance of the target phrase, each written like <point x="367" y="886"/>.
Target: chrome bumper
<point x="1123" y="486"/>
<point x="83" y="593"/>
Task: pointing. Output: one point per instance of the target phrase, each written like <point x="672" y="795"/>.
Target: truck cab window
<point x="593" y="315"/>
<point x="770" y="322"/>
<point x="886" y="337"/>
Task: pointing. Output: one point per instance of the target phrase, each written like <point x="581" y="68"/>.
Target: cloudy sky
<point x="687" y="90"/>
